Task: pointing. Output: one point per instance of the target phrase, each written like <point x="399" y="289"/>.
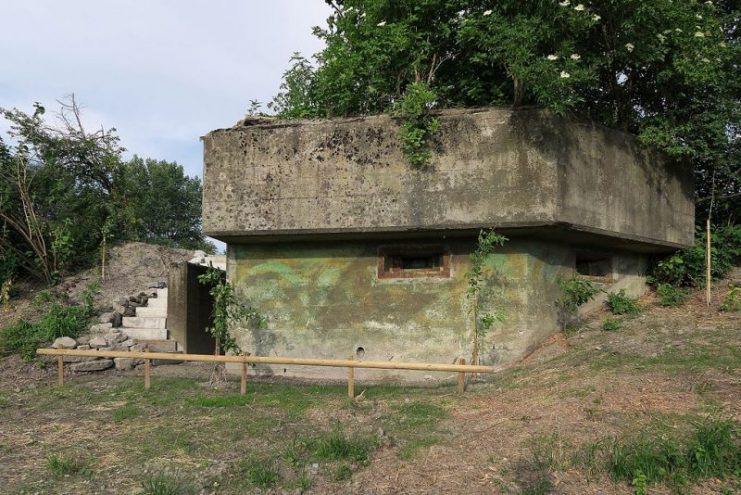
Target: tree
<point x="65" y="190"/>
<point x="666" y="71"/>
<point x="163" y="205"/>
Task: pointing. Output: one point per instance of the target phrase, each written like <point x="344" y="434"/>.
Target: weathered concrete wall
<point x="325" y="300"/>
<point x="491" y="167"/>
<point x="189" y="308"/>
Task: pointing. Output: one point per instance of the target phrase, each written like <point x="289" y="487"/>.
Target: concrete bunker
<point x="347" y="250"/>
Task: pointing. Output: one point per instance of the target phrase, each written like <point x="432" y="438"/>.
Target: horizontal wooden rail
<point x="350" y="364"/>
<point x="210" y="358"/>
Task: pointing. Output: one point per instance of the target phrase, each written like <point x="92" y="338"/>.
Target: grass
<point x="712" y="449"/>
<point x="165" y="484"/>
<point x="611" y="324"/>
<point x="128" y="411"/>
<point x="338" y="446"/>
<point x="60" y="465"/>
<point x="259" y="473"/>
<point x="312" y="437"/>
<point x="342" y="472"/>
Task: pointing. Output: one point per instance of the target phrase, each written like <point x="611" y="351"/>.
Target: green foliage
<point x="61" y="320"/>
<point x="576" y="291"/>
<point x="670" y="295"/>
<point x="619" y="303"/>
<point x="663" y="70"/>
<point x="159" y="204"/>
<point x="418" y="125"/>
<point x="64" y="465"/>
<point x="337" y="446"/>
<point x="488" y="242"/>
<point x="686" y="268"/>
<point x="259" y="473"/>
<point x="164" y="484"/>
<point x="611" y="324"/>
<point x="227" y="309"/>
<point x="712" y="451"/>
<point x="128" y="411"/>
<point x="64" y="191"/>
<point x="343" y="472"/>
<point x="732" y="300"/>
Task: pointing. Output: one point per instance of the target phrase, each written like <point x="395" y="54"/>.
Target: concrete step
<point x="162" y="294"/>
<point x="157" y="302"/>
<point x="149" y="312"/>
<point x="159" y="345"/>
<point x="146" y="333"/>
<point x="143" y="322"/>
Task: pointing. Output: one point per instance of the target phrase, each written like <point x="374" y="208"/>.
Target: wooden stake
<point x="147" y="370"/>
<point x="60" y="371"/>
<point x="351" y="381"/>
<point x="243" y="385"/>
<point x="462" y="377"/>
<point x="708" y="264"/>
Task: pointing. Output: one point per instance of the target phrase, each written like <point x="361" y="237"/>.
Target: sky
<point x="162" y="72"/>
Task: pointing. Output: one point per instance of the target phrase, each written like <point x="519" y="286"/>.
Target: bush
<point x="687" y="267"/>
<point x="620" y="303"/>
<point x="670" y="295"/>
<point x="611" y="324"/>
<point x="732" y="300"/>
<point x="60" y="321"/>
<point x="575" y="292"/>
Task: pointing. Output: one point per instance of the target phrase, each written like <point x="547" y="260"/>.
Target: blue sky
<point x="162" y="72"/>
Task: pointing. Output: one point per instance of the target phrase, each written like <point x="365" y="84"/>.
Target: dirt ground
<point x="529" y="429"/>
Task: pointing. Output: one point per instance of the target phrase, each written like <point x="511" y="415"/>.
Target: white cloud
<point x="162" y="72"/>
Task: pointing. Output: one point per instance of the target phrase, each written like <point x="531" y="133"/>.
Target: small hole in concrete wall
<point x="360" y="352"/>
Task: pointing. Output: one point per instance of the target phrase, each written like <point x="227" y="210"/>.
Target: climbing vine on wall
<point x="488" y="242"/>
<point x="226" y="309"/>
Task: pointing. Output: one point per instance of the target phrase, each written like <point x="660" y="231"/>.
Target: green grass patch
<point x="338" y="446"/>
<point x="611" y="324"/>
<point x="230" y="400"/>
<point x="60" y="465"/>
<point x="165" y="484"/>
<point x="259" y="473"/>
<point x="342" y="472"/>
<point x="128" y="411"/>
<point x="725" y="358"/>
<point x="710" y="449"/>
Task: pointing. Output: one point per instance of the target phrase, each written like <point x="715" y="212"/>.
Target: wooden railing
<point x="461" y="368"/>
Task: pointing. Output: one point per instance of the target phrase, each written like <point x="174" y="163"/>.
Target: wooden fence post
<point x="243" y="384"/>
<point x="147" y="370"/>
<point x="351" y="381"/>
<point x="60" y="371"/>
<point x="462" y="377"/>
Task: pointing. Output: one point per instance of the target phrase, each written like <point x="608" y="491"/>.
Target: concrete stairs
<point x="149" y="326"/>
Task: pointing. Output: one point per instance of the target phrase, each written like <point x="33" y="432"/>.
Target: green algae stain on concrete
<point x="278" y="269"/>
<point x="326" y="301"/>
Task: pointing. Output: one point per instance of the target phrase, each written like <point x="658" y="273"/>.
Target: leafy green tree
<point x="160" y="203"/>
<point x="65" y="191"/>
<point x="666" y="70"/>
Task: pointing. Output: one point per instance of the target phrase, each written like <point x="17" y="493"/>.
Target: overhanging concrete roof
<point x="517" y="169"/>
